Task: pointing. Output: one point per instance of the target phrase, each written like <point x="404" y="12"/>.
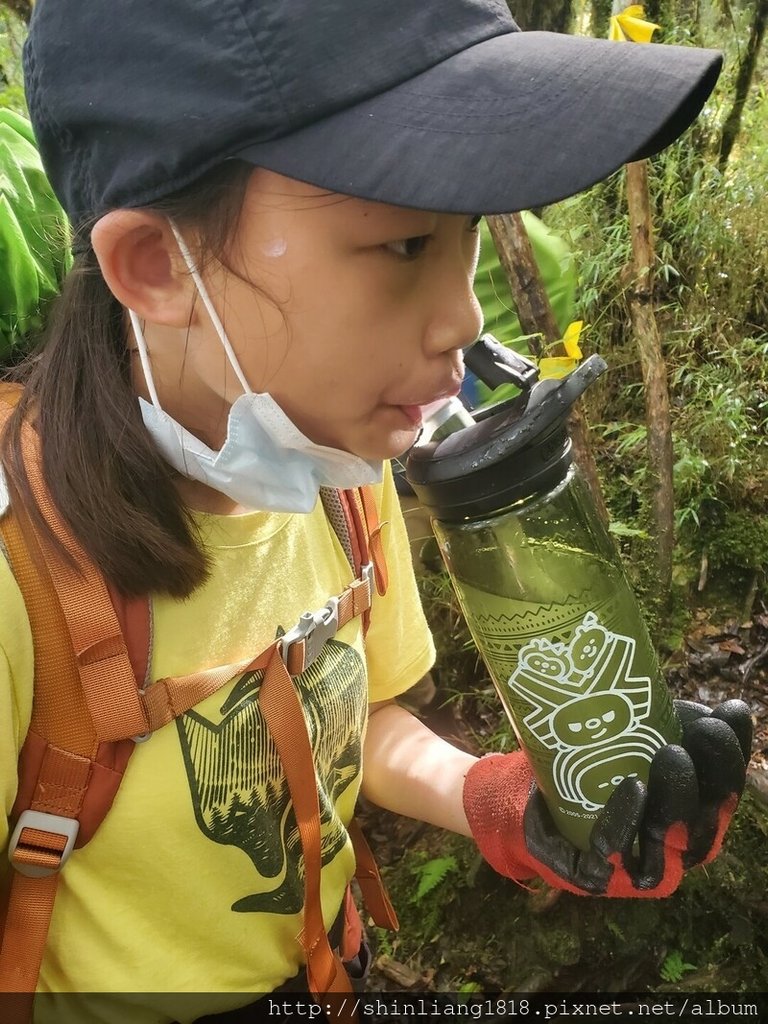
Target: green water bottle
<point x="543" y="591"/>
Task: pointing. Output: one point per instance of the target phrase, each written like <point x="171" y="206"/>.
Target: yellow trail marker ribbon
<point x="631" y="27"/>
<point x="559" y="366"/>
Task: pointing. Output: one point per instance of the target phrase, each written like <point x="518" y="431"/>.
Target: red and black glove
<point x="678" y="819"/>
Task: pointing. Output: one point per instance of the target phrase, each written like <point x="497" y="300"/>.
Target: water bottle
<point x="541" y="585"/>
<point x="443" y="418"/>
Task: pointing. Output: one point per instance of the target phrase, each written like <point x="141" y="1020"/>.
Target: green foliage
<point x="34" y="243"/>
<point x="430" y="874"/>
<point x="711" y="291"/>
<point x="710" y="936"/>
<point x="619" y="529"/>
<point x="12" y="32"/>
<point x="741" y="540"/>
<point x="674" y="967"/>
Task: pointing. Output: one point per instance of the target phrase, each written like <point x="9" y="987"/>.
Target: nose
<point x="457" y="318"/>
<point x="592" y="724"/>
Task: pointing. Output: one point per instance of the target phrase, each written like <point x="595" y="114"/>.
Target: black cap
<point x="434" y="104"/>
<point x="519" y="450"/>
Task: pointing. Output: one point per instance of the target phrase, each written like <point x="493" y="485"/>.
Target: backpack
<point x="91" y="708"/>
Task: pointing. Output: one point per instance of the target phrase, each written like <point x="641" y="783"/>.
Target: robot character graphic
<point x="589" y="708"/>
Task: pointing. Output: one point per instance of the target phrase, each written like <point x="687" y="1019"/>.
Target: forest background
<point x="463" y="928"/>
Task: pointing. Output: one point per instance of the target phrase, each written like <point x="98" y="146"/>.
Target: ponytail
<point x="100" y="465"/>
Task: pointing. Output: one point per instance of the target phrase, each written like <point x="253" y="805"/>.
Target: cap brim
<point x="515" y="122"/>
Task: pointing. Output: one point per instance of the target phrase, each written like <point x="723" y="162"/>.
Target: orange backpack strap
<point x="371" y="885"/>
<point x="70" y="765"/>
<point x="280" y="705"/>
<point x="365" y="552"/>
<point x="372" y="526"/>
<point x="355" y="519"/>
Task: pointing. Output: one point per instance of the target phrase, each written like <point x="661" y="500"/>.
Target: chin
<point x="381" y="445"/>
<point x="396" y="445"/>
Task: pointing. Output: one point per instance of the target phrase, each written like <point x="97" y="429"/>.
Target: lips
<point x="435" y="399"/>
<point x="414" y="413"/>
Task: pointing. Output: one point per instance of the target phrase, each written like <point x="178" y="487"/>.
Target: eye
<point x="408" y="248"/>
<point x="609" y="716"/>
<point x="574" y="726"/>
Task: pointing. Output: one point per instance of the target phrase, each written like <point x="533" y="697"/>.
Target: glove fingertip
<point x="717" y="755"/>
<point x="737" y="715"/>
<point x="673" y="789"/>
<point x="690" y="710"/>
<point x="616" y="827"/>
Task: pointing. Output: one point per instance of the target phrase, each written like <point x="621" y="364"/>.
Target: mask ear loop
<point x="203" y="292"/>
<point x="141" y="344"/>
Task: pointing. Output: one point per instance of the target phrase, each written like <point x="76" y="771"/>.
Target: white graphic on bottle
<point x="589" y="708"/>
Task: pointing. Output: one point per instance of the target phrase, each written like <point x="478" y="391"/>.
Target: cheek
<point x="333" y="342"/>
<point x="356" y="346"/>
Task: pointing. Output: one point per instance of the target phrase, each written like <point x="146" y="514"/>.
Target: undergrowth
<point x="473" y="927"/>
<point x="711" y="303"/>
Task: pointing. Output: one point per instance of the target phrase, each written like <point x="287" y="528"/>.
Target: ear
<point x="143" y="268"/>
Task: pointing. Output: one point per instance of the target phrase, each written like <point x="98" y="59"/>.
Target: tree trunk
<point x="536" y="317"/>
<point x="516" y="257"/>
<point x="744" y="78"/>
<point x="654" y="372"/>
<point x="601" y="17"/>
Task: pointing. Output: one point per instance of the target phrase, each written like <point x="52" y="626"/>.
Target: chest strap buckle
<point x="301" y="645"/>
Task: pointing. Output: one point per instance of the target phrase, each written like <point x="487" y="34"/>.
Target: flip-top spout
<point x="495" y="364"/>
<point x="510" y="454"/>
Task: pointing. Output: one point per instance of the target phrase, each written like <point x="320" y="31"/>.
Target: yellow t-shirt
<point x="194" y="883"/>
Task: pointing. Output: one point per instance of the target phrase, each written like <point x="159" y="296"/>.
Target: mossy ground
<point x="474" y="930"/>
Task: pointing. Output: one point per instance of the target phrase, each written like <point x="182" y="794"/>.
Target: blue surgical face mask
<point x="265" y="462"/>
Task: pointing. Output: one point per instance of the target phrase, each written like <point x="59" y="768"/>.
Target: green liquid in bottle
<point x="563" y="638"/>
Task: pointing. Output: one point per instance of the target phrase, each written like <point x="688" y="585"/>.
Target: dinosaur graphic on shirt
<point x="239" y="793"/>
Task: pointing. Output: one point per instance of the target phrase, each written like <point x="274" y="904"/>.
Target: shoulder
<point x="387" y="498"/>
<point x="399" y="646"/>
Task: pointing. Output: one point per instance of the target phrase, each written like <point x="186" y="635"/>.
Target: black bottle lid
<point x="519" y="449"/>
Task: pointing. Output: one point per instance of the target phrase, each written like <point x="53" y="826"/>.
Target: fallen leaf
<point x="732" y="646"/>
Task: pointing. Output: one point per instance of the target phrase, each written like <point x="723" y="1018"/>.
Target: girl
<point x="275" y="211"/>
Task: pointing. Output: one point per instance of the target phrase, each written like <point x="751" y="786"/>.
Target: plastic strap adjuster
<point x="51" y="824"/>
<point x="368" y="575"/>
<point x="314" y="628"/>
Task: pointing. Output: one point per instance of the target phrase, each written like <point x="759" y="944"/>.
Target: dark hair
<point x="103" y="471"/>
